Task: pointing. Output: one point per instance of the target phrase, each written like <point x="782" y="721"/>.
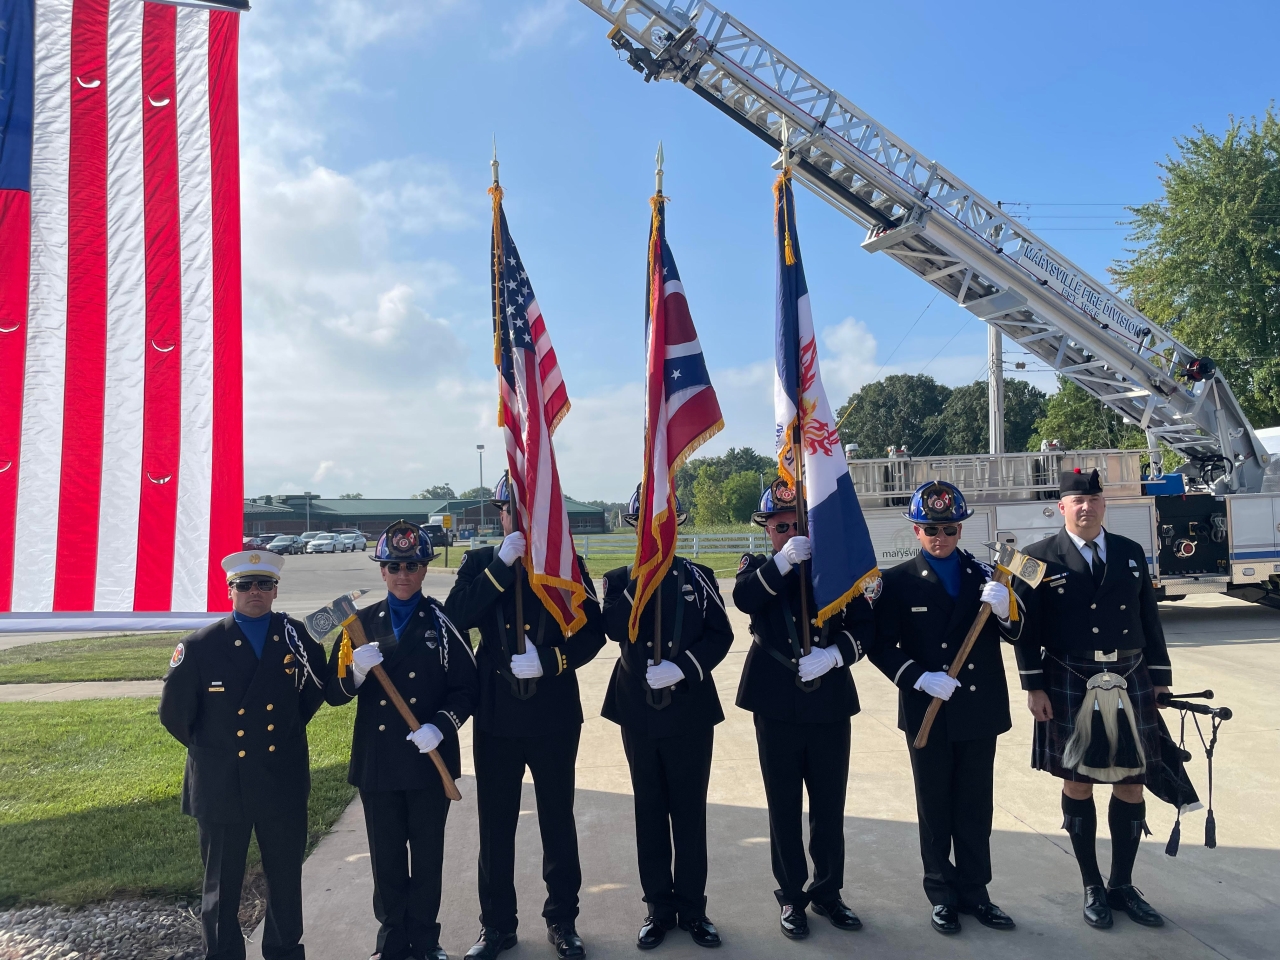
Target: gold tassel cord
<point x="496" y="192"/>
<point x="345" y="659"/>
<point x="780" y="198"/>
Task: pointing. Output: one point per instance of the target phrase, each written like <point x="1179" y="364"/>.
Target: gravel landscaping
<point x="124" y="929"/>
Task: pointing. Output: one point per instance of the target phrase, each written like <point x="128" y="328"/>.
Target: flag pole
<point x="657" y="595"/>
<point x="524" y="688"/>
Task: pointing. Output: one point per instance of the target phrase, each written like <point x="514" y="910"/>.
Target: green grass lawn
<point x="140" y="657"/>
<point x="89" y="800"/>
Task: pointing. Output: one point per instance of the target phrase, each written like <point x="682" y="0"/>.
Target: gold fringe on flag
<point x="496" y="192"/>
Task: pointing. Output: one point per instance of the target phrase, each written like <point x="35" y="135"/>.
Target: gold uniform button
<point x="242" y="753"/>
<point x="239" y="733"/>
<point x="276" y="639"/>
<point x="271" y="749"/>
<point x="240" y="711"/>
<point x="382" y="726"/>
<point x="272" y="726"/>
<point x="1095" y="629"/>
<point x="271" y="706"/>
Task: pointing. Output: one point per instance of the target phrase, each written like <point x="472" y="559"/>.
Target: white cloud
<point x="533" y="25"/>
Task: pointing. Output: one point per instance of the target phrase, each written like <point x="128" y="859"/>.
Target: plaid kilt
<point x="1066" y="690"/>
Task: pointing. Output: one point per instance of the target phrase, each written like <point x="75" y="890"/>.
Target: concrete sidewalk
<point x="1222" y="902"/>
<point x="85" y="690"/>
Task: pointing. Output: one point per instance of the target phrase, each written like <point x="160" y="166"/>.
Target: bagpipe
<point x="1173" y="785"/>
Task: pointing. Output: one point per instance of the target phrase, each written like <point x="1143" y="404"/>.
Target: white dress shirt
<point x="1086" y="551"/>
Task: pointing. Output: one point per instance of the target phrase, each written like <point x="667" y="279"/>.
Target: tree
<point x="351" y="496"/>
<point x="441" y="491"/>
<point x="708" y="498"/>
<point x="1080" y="422"/>
<point x="735" y="460"/>
<point x="962" y="426"/>
<point x="1024" y="405"/>
<point x="476" y="493"/>
<point x="1207" y="262"/>
<point x="741" y="495"/>
<point x="893" y="412"/>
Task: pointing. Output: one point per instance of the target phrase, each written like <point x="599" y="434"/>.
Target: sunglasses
<point x="931" y="530"/>
<point x="410" y="567"/>
<point x="786" y="527"/>
<point x="244" y="586"/>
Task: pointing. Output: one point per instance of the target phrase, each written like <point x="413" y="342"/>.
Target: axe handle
<point x="980" y="621"/>
<point x="358" y="639"/>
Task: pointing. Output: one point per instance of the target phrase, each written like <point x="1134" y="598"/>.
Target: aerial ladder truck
<point x="1210" y="526"/>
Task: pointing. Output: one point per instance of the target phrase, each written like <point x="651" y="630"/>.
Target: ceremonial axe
<point x="341" y="614"/>
<point x="1009" y="563"/>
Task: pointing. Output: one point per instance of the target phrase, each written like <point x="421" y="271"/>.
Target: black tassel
<point x="1175" y="838"/>
<point x="1099" y="753"/>
<point x="1126" y="745"/>
<point x="1210" y="831"/>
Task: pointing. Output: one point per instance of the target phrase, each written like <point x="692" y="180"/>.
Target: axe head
<point x="1027" y="569"/>
<point x="330" y="617"/>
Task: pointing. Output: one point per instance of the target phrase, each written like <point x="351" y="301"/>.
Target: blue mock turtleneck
<point x="255" y="630"/>
<point x="947" y="569"/>
<point x="401" y="611"/>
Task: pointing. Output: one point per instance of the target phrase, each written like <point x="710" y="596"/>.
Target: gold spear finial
<point x="493" y="164"/>
<point x="657" y="174"/>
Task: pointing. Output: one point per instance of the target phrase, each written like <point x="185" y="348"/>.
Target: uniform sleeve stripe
<point x="857" y="647"/>
<point x="489" y="573"/>
<point x="627" y="593"/>
<point x="900" y="669"/>
<point x="1156" y="666"/>
<point x="772" y="592"/>
<point x="1027" y="673"/>
<point x="689" y="654"/>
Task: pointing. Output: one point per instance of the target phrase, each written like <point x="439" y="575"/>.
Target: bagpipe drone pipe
<point x="1171" y="783"/>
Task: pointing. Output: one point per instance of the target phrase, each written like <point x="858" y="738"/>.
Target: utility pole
<point x="995" y="388"/>
<point x="480" y="448"/>
<point x="307" y="494"/>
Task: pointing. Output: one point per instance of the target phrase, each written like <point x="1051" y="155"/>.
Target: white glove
<point x="526" y="666"/>
<point x="937" y="684"/>
<point x="820" y="660"/>
<point x="364" y="659"/>
<point x="996" y="594"/>
<point x="792" y="552"/>
<point x="426" y="738"/>
<point x="664" y="674"/>
<point x="512" y="548"/>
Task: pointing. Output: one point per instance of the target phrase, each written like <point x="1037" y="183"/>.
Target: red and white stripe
<point x="539" y="389"/>
<point x="129" y="481"/>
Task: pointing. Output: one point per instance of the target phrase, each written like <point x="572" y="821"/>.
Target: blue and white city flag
<point x="844" y="560"/>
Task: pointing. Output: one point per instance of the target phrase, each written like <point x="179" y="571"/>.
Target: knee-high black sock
<point x="1127" y="821"/>
<point x="1080" y="820"/>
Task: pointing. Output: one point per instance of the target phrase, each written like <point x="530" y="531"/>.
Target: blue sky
<point x="366" y="137"/>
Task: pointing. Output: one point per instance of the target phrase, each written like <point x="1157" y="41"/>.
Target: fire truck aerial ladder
<point x="937" y="226"/>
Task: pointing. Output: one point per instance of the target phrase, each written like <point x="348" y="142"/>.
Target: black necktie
<point x="1099" y="568"/>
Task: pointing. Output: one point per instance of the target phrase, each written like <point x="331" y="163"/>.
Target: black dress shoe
<point x="838" y="912"/>
<point x="703" y="931"/>
<point x="1129" y="899"/>
<point x="794" y="923"/>
<point x="946" y="919"/>
<point x="1097" y="912"/>
<point x="435" y="953"/>
<point x="652" y="932"/>
<point x="989" y="915"/>
<point x="566" y="941"/>
<point x="491" y="943"/>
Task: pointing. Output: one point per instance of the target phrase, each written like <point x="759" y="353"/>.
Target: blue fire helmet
<point x="502" y="492"/>
<point x="938" y="502"/>
<point x="778" y="497"/>
<point x="633" y="509"/>
<point x="404" y="542"/>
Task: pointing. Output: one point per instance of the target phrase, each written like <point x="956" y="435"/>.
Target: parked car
<point x="255" y="543"/>
<point x="286" y="544"/>
<point x="325" y="543"/>
<point x="356" y="540"/>
<point x="439" y="536"/>
<point x="310" y="535"/>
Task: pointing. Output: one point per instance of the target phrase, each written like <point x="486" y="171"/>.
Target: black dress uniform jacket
<point x="705" y="638"/>
<point x="768" y="687"/>
<point x="243" y="720"/>
<point x="1067" y="614"/>
<point x="483" y="597"/>
<point x="435" y="673"/>
<point x="920" y="628"/>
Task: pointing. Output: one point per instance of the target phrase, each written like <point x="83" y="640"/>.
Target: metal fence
<point x="691" y="545"/>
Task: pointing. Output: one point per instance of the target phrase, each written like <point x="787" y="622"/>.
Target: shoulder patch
<point x="179" y="652"/>
<point x="744" y="562"/>
<point x="873" y="590"/>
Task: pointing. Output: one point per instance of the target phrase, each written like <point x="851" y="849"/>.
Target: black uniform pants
<point x="953" y="805"/>
<point x="223" y="848"/>
<point x="812" y="756"/>
<point x="406" y="852"/>
<point x="500" y="764"/>
<point x="669" y="778"/>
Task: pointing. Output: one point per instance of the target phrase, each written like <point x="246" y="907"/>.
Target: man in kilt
<point x="1092" y="659"/>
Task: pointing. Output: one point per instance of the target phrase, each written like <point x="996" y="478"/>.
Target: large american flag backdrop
<point x="121" y="464"/>
<point x="532" y="401"/>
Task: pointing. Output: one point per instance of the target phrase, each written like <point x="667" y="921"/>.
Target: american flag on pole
<point x="121" y="467"/>
<point x="532" y="401"/>
<point x="681" y="413"/>
<point x="844" y="560"/>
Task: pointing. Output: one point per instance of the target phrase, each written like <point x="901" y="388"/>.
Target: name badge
<point x="217" y="688"/>
<point x="919" y="609"/>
